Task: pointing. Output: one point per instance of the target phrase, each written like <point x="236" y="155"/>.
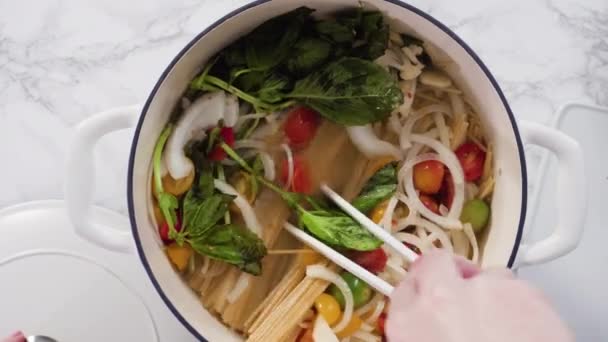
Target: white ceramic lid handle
<point x="571" y="195"/>
<point x="80" y="176"/>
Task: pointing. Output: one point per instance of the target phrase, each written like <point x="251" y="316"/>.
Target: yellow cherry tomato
<point x="353" y="325"/>
<point x="328" y="307"/>
<point x="178" y="187"/>
<point x="179" y="255"/>
<point x="401" y="211"/>
<point x="378" y="212"/>
<point x="311" y="258"/>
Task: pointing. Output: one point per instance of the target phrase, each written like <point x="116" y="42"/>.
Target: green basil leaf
<point x="381" y="186"/>
<point x="232" y="244"/>
<point x="202" y="213"/>
<point x="335" y="31"/>
<point x="350" y="91"/>
<point x="270" y="43"/>
<point x="375" y="33"/>
<point x="272" y="88"/>
<point x="339" y="230"/>
<point x="307" y="54"/>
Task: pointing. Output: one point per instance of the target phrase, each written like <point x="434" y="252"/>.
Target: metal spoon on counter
<point x="40" y="338"/>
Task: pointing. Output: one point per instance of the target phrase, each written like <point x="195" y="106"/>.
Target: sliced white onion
<point x="231" y="110"/>
<point x="395" y="266"/>
<point x="444" y="133"/>
<point x="290" y="165"/>
<point x="251" y="220"/>
<point x="377" y="311"/>
<point x="322" y="272"/>
<point x="387" y="218"/>
<point x="366" y="336"/>
<point x="468" y="230"/>
<point x="269" y="168"/>
<point x="203" y="114"/>
<point x="410" y="239"/>
<point x="406" y="130"/>
<point x="419" y="230"/>
<point x="322" y="331"/>
<point x="369" y="305"/>
<point x="435" y="233"/>
<point x="244" y="118"/>
<point x="241" y="285"/>
<point x="443" y="210"/>
<point x="461" y="243"/>
<point x="366" y="141"/>
<point x="250" y="143"/>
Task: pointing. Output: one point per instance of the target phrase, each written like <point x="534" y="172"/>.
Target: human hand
<point x="15" y="337"/>
<point x="448" y="299"/>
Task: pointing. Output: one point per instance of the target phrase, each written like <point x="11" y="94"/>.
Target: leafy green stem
<point x="157" y="157"/>
<point x="234" y="90"/>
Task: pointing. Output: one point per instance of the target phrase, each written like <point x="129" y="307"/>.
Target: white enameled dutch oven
<point x="502" y="245"/>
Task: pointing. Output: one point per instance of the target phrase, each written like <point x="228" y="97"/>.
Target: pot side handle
<point x="571" y="195"/>
<point x="80" y="176"/>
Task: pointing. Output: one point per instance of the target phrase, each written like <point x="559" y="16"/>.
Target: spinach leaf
<point x="307" y="54"/>
<point x="339" y="229"/>
<point x="350" y="91"/>
<point x="381" y="186"/>
<point x="232" y="244"/>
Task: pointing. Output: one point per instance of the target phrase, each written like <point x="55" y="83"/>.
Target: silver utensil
<point x="40" y="338"/>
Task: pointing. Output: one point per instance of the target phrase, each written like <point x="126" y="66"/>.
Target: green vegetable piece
<point x="338" y="229"/>
<point x="202" y="213"/>
<point x="308" y="54"/>
<point x="477" y="213"/>
<point x="362" y="293"/>
<point x="335" y="31"/>
<point x="232" y="244"/>
<point x="271" y="90"/>
<point x="380" y="187"/>
<point x="167" y="202"/>
<point x="375" y="33"/>
<point x="350" y="91"/>
<point x="270" y="43"/>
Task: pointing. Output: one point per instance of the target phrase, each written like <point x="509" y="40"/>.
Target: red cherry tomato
<point x="227" y="136"/>
<point x="301" y="126"/>
<point x="163" y="230"/>
<point x="373" y="261"/>
<point x="447" y="190"/>
<point x="430" y="203"/>
<point x="381" y="323"/>
<point x="301" y="175"/>
<point x="471" y="158"/>
<point x="428" y="176"/>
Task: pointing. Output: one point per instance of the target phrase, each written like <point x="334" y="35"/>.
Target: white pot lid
<point x="54" y="283"/>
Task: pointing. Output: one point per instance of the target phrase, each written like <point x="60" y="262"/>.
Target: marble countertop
<point x="64" y="60"/>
